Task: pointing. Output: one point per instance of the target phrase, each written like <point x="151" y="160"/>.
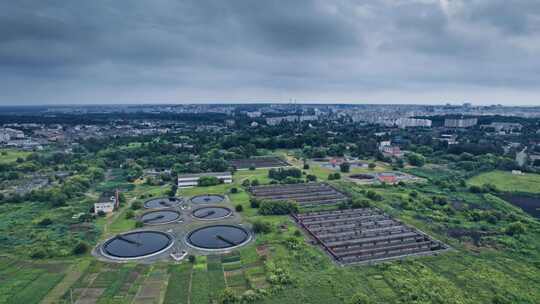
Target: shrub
<point x="254" y="203"/>
<point x="80" y="248"/>
<point x="239" y="208"/>
<point x="174" y="189"/>
<point x="252" y="168"/>
<point x="101" y="213"/>
<point x="306" y="166"/>
<point x="440" y="200"/>
<point x="205" y="181"/>
<point x="345" y="167"/>
<point x="490" y="188"/>
<point x="228" y="296"/>
<point x="311" y="178"/>
<point x="130" y="214"/>
<point x="360" y="203"/>
<point x="192" y="259"/>
<point x="45" y="222"/>
<point x="277" y="275"/>
<point x="334" y="176"/>
<point x="372" y="195"/>
<point x="262" y="226"/>
<point x="476" y="189"/>
<point x="246" y="183"/>
<point x="515" y="228"/>
<point x="234" y="190"/>
<point x="372" y="166"/>
<point x="278" y="207"/>
<point x="136" y="205"/>
<point x="359" y="298"/>
<point x="255" y="182"/>
<point x="139" y="224"/>
<point x="282" y="173"/>
<point x="416" y="159"/>
<point x="38" y="254"/>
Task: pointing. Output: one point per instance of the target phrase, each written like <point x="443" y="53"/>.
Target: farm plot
<point x="28" y="282"/>
<point x="259" y="162"/>
<point x="363" y="235"/>
<point x="306" y="195"/>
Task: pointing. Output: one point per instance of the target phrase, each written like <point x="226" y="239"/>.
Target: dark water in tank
<point x="162" y="202"/>
<point x="136" y="244"/>
<point x="207" y="199"/>
<point x="158" y="217"/>
<point x="208" y="213"/>
<point x="218" y="237"/>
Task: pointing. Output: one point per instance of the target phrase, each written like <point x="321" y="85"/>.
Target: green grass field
<point x="507" y="266"/>
<point x="10" y="156"/>
<point x="506" y="181"/>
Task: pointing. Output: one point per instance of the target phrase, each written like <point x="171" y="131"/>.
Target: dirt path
<point x="112" y="218"/>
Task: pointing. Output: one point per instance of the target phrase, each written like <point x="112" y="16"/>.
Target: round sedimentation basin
<point x="160" y="217"/>
<point x="163" y="202"/>
<point x="362" y="176"/>
<point x="137" y="245"/>
<point x="211" y="213"/>
<point x="207" y="199"/>
<point x="218" y="237"/>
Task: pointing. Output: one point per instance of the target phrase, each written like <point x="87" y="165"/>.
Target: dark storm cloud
<point x="173" y="51"/>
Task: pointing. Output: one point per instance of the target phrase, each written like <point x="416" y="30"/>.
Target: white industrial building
<point x="190" y="180"/>
<point x="108" y="201"/>
<point x="413" y="122"/>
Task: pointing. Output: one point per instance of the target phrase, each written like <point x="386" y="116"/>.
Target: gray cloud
<point x="242" y="50"/>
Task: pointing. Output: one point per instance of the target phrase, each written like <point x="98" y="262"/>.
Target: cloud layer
<point x="415" y="51"/>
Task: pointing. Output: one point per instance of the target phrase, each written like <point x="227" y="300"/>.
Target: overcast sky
<point x="365" y="51"/>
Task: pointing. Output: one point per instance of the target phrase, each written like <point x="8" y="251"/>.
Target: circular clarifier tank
<point x="211" y="213"/>
<point x="207" y="199"/>
<point x="362" y="176"/>
<point x="137" y="245"/>
<point x="163" y="202"/>
<point x="159" y="217"/>
<point x="218" y="237"/>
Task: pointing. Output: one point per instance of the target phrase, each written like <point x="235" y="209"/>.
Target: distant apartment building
<point x="273" y="121"/>
<point x="190" y="180"/>
<point x="4" y="137"/>
<point x="451" y="139"/>
<point x="413" y="122"/>
<point x="108" y="201"/>
<point x="254" y="114"/>
<point x="309" y="117"/>
<point x="506" y="127"/>
<point x="7" y="134"/>
<point x="460" y="122"/>
<point x="522" y="158"/>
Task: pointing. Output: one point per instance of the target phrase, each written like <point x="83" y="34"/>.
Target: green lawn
<point x="506" y="181"/>
<point x="11" y="155"/>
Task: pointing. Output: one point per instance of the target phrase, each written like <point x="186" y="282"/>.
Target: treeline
<point x="104" y="118"/>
